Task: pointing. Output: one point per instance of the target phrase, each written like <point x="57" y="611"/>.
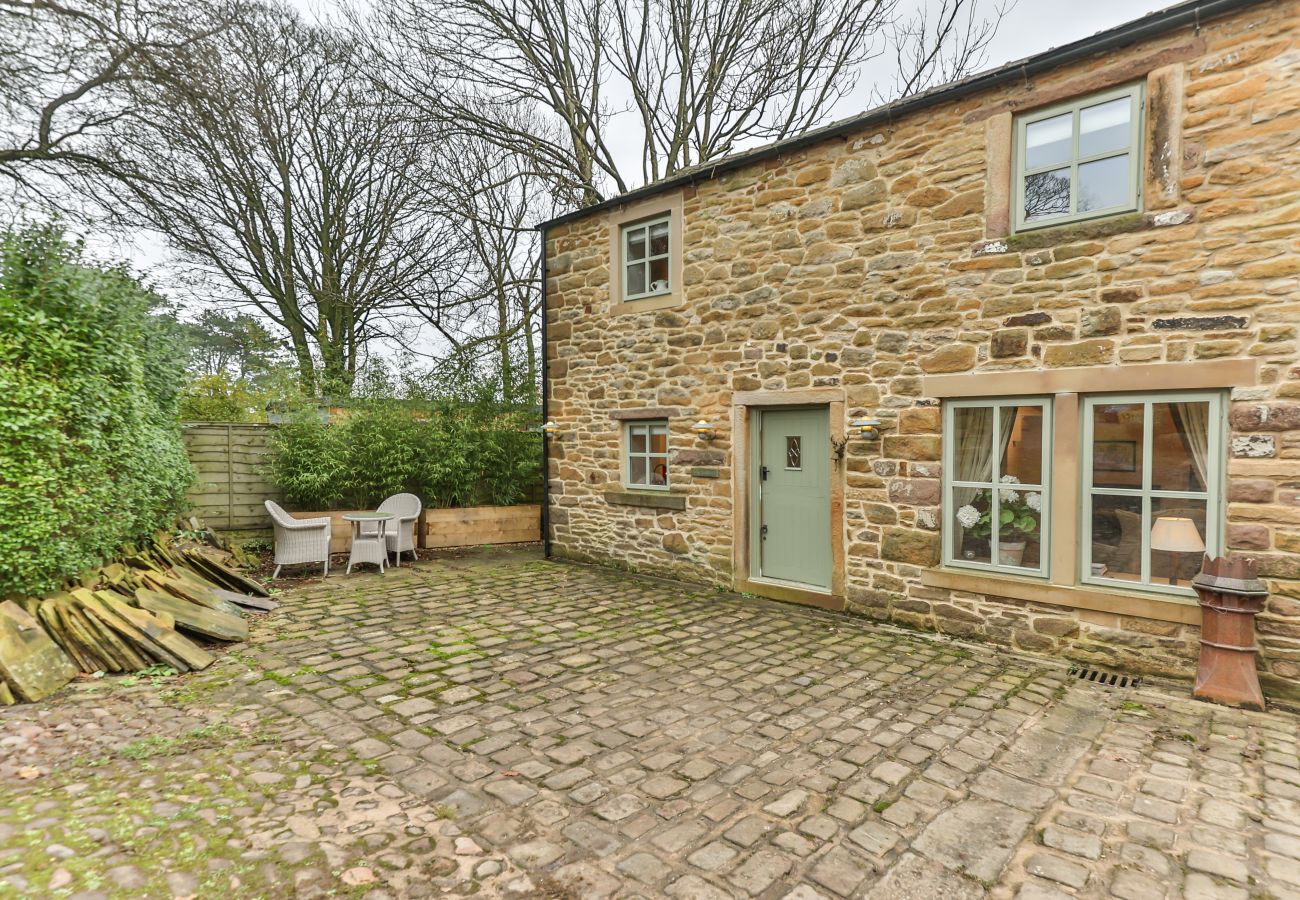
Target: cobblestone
<point x="595" y="734"/>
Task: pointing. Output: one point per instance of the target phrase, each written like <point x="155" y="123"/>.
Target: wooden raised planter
<point x="469" y="526"/>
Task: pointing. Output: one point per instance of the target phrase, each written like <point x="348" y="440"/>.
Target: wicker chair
<point x="406" y="510"/>
<point x="299" y="540"/>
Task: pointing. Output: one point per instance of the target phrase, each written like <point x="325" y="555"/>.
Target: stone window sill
<point x="649" y="499"/>
<point x="1073" y="232"/>
<point x="646" y="304"/>
<point x="1123" y="603"/>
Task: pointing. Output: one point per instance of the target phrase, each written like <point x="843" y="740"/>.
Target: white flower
<point x="968" y="516"/>
<point x="1010" y="479"/>
<point x="1009" y="496"/>
<point x="1034" y="501"/>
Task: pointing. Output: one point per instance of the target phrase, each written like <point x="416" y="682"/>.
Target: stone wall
<point x="866" y="263"/>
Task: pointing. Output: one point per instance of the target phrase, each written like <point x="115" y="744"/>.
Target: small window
<point x="647" y="454"/>
<point x="1153" y="475"/>
<point x="996" y="476"/>
<point x="794" y="452"/>
<point x="1079" y="160"/>
<point x="646" y="252"/>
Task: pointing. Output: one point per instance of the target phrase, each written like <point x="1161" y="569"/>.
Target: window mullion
<point x="1148" y="448"/>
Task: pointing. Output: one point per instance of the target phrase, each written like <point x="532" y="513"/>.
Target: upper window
<point x="647" y="454"/>
<point x="646" y="252"/>
<point x="1079" y="160"/>
<point x="996" y="473"/>
<point x="1153" y="476"/>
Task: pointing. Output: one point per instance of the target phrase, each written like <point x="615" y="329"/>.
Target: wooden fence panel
<point x="230" y="486"/>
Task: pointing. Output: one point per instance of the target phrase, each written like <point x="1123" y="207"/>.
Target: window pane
<point x="970" y="524"/>
<point x="1117" y="445"/>
<point x="658" y="471"/>
<point x="1116" y="537"/>
<point x="1047" y="194"/>
<point x="1104" y="127"/>
<point x="1177" y="540"/>
<point x="658" y="275"/>
<point x="794" y="452"/>
<point x="973" y="443"/>
<point x="1103" y="183"/>
<point x="636" y="470"/>
<point x="636" y="279"/>
<point x="659" y="239"/>
<point x="1047" y="142"/>
<point x="1180" y="451"/>
<point x="658" y="439"/>
<point x="636" y="436"/>
<point x="636" y="243"/>
<point x="1022" y="444"/>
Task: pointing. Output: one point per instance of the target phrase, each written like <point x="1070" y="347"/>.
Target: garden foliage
<point x="90" y="445"/>
<point x="448" y="452"/>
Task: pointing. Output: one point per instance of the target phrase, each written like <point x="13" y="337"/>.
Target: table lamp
<point x="1176" y="534"/>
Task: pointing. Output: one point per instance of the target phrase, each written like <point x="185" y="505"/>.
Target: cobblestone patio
<point x="502" y="725"/>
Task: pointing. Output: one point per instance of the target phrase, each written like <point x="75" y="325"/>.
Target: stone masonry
<point x="869" y="261"/>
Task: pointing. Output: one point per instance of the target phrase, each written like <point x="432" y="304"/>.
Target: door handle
<point x="762" y="474"/>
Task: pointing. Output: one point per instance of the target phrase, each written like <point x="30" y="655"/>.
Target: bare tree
<point x="487" y="305"/>
<point x="686" y="81"/>
<point x="280" y="169"/>
<point x="66" y="67"/>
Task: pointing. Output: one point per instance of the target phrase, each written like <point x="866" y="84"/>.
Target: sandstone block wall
<point x="867" y="263"/>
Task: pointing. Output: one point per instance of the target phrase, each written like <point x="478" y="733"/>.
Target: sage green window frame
<point x="1134" y="150"/>
<point x="643" y="227"/>
<point x="947" y="528"/>
<point x="648" y="427"/>
<point x="1214" y="494"/>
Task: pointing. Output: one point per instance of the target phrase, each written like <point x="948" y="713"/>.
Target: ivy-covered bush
<point x="447" y="452"/>
<point x="90" y="446"/>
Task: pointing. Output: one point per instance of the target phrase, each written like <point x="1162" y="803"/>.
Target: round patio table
<point x="368" y="546"/>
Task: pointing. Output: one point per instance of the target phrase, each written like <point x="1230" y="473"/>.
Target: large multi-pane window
<point x="646" y="461"/>
<point x="1148" y="499"/>
<point x="646" y="252"/>
<point x="997" y="474"/>
<point x="1079" y="160"/>
<point x="1153" y="474"/>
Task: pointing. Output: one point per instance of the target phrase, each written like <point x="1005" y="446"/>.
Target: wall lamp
<point x="868" y="429"/>
<point x="550" y="429"/>
<point x="704" y="431"/>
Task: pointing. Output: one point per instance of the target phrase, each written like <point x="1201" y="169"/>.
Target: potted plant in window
<point x="1019" y="515"/>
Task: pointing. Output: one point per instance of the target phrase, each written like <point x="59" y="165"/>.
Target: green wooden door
<point x="794" y="496"/>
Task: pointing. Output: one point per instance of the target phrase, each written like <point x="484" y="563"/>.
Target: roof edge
<point x="1160" y="22"/>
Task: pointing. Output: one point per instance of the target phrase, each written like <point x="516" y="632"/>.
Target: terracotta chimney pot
<point x="1231" y="596"/>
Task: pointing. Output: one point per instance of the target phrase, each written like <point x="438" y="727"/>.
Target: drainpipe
<point x="546" y="391"/>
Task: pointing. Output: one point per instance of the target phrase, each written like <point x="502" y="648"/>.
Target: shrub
<point x="90" y="447"/>
<point x="448" y="452"/>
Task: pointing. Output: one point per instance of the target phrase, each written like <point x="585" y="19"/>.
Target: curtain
<point x="1195" y="420"/>
<point x="973" y="459"/>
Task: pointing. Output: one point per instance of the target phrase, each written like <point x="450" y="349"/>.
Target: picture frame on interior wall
<point x="1115" y="456"/>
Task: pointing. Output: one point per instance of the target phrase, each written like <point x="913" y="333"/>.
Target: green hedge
<point x="90" y="446"/>
<point x="448" y="453"/>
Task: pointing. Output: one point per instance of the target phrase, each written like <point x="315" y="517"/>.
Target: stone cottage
<point x="1002" y="360"/>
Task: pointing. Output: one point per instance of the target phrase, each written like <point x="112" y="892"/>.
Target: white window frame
<point x="948" y="529"/>
<point x="644" y="227"/>
<point x="1214" y="494"/>
<point x="1134" y="201"/>
<point x="649" y="427"/>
